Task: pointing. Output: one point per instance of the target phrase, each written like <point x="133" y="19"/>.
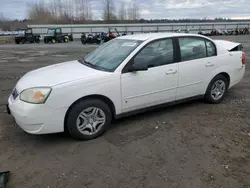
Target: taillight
<point x="243" y="58"/>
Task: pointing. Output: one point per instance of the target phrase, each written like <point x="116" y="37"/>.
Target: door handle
<point x="171" y="71"/>
<point x="209" y="64"/>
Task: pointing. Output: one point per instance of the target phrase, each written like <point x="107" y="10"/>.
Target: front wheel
<point x="217" y="89"/>
<point x="88" y="119"/>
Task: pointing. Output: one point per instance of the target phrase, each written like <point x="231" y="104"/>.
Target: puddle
<point x="26" y="52"/>
<point x="26" y="60"/>
<point x="60" y="55"/>
<point x="6" y="58"/>
<point x="3" y="61"/>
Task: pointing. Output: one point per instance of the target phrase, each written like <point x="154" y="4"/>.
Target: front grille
<point x="14" y="93"/>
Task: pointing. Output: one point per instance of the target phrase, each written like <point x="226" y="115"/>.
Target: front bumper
<point x="36" y="118"/>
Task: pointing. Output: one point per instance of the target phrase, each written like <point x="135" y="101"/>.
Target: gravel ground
<point x="191" y="145"/>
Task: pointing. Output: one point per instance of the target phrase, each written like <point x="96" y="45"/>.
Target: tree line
<point x="83" y="12"/>
<point x="80" y="11"/>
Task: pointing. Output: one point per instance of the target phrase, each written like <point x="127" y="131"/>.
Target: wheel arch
<point x="226" y="75"/>
<point x="103" y="98"/>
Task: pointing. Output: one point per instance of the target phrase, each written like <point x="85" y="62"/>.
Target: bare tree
<point x="82" y="10"/>
<point x="109" y="10"/>
<point x="2" y="18"/>
<point x="122" y="12"/>
<point x="40" y="13"/>
<point x="134" y="11"/>
<point x="87" y="10"/>
<point x="56" y="9"/>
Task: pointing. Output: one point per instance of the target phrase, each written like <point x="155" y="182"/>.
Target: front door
<point x="154" y="86"/>
<point x="29" y="36"/>
<point x="58" y="34"/>
<point x="198" y="61"/>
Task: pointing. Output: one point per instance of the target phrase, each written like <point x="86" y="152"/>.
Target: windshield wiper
<point x="84" y="62"/>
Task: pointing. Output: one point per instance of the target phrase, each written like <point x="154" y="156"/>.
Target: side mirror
<point x="138" y="67"/>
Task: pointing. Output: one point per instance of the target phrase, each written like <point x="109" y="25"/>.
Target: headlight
<point x="35" y="95"/>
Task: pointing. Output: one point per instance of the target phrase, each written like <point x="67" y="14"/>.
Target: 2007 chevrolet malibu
<point x="124" y="75"/>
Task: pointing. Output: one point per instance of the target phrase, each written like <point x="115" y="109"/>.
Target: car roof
<point x="146" y="36"/>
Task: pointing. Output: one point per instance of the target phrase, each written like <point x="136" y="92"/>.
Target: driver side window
<point x="58" y="31"/>
<point x="156" y="53"/>
<point x="28" y="31"/>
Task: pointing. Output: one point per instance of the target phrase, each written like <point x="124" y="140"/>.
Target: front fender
<point x="63" y="96"/>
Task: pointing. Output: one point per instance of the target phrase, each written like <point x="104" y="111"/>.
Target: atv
<point x="109" y="36"/>
<point x="91" y="39"/>
<point x="55" y="35"/>
<point x="26" y="36"/>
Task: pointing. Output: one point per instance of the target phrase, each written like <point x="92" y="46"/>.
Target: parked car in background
<point x="146" y="70"/>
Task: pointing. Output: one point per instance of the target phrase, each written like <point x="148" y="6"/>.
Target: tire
<point x="23" y="41"/>
<point x="53" y="41"/>
<point x="210" y="95"/>
<point x="74" y="122"/>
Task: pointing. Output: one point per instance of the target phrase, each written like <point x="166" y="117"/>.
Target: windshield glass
<point x="111" y="54"/>
<point x="51" y="31"/>
<point x="21" y="32"/>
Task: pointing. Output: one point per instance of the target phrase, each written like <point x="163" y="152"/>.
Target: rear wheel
<point x="66" y="40"/>
<point x="83" y="41"/>
<point x="53" y="41"/>
<point x="88" y="119"/>
<point x="217" y="89"/>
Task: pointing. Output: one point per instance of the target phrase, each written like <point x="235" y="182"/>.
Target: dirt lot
<point x="192" y="145"/>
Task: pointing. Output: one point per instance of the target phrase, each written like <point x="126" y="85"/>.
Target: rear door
<point x="197" y="62"/>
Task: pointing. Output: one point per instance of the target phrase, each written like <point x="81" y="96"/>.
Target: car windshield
<point x="51" y="31"/>
<point x="110" y="55"/>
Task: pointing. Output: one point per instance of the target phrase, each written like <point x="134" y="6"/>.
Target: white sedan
<point x="123" y="76"/>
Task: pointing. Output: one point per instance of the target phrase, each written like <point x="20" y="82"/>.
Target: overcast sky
<point x="17" y="9"/>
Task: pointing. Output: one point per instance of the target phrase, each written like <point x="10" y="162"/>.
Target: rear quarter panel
<point x="230" y="63"/>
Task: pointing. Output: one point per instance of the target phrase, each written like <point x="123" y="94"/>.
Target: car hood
<point x="58" y="74"/>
